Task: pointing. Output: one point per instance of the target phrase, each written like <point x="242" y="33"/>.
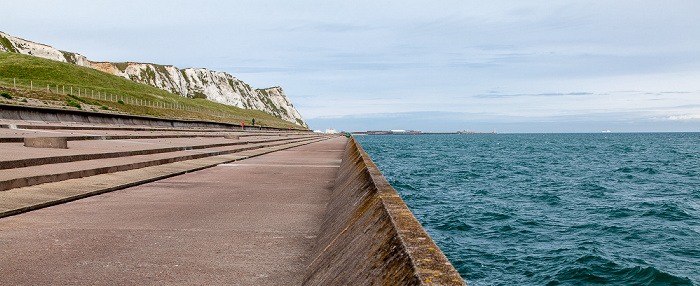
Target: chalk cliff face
<point x="194" y="83"/>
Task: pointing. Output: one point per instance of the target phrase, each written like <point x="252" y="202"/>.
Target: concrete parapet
<point x="46" y="142"/>
<point x="370" y="237"/>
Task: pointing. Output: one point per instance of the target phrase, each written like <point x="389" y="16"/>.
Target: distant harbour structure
<point x="473" y="132"/>
<point x="390" y="132"/>
<point x="416" y="132"/>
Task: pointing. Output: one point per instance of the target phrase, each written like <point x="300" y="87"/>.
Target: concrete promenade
<point x="248" y="222"/>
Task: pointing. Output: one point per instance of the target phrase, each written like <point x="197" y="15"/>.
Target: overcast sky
<point x="512" y="66"/>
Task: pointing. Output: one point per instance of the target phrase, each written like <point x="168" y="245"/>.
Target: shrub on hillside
<point x="6" y="95"/>
<point x="77" y="98"/>
<point x="73" y="103"/>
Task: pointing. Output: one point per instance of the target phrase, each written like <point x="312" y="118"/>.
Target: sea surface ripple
<point x="554" y="209"/>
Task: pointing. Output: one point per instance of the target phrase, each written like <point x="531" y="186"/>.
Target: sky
<point x="435" y="66"/>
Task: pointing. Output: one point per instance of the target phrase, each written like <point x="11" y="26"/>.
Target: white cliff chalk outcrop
<point x="194" y="83"/>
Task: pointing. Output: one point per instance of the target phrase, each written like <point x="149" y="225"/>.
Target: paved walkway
<point x="251" y="222"/>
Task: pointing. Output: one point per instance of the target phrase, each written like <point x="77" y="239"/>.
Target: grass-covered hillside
<point x="24" y="80"/>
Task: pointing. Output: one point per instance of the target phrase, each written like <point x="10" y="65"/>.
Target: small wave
<point x="528" y="222"/>
<point x="594" y="190"/>
<point x="621" y="213"/>
<point x="650" y="276"/>
<point x="637" y="170"/>
<point x="549" y="198"/>
<point x="490" y="216"/>
<point x="453" y="224"/>
<point x="407" y="155"/>
<point x="586" y="226"/>
<point x="616" y="229"/>
<point x="669" y="211"/>
<point x="403" y="186"/>
<point x="484" y="192"/>
<point x="593" y="269"/>
<point x="465" y="174"/>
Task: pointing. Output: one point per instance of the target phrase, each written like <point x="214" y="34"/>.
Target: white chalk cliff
<point x="194" y="83"/>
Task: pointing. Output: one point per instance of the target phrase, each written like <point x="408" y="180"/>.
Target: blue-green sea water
<point x="554" y="209"/>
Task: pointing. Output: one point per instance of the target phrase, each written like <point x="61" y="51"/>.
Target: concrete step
<point x="110" y="136"/>
<point x="29" y="198"/>
<point x="109" y="127"/>
<point x="108" y="130"/>
<point x="46" y="173"/>
<point x="13" y="133"/>
<point x="16" y="155"/>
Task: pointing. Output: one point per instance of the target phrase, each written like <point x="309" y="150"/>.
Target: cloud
<point x="339" y="28"/>
<point x="682" y="117"/>
<point x="498" y="95"/>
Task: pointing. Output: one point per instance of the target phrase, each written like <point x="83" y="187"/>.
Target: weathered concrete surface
<point x="252" y="222"/>
<point x="17" y="135"/>
<point x="94" y="152"/>
<point x="370" y="237"/>
<point x="30" y="198"/>
<point x="38" y="174"/>
<point x="229" y="136"/>
<point x="16" y="155"/>
<point x="46" y="142"/>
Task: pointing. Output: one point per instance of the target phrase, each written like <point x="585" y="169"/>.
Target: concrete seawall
<point x="370" y="237"/>
<point x="366" y="236"/>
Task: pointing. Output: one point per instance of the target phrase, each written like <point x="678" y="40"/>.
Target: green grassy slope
<point x="24" y="71"/>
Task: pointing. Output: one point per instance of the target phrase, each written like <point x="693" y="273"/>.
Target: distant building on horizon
<point x="392" y="132"/>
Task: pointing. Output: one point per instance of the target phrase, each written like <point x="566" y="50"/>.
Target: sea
<point x="553" y="209"/>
